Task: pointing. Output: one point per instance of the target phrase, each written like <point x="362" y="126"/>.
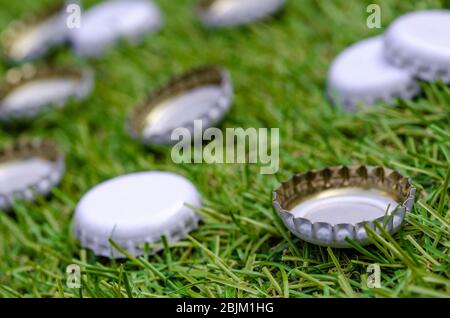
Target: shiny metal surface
<point x="29" y="90"/>
<point x="326" y="206"/>
<point x="202" y="94"/>
<point x="28" y="168"/>
<point x="33" y="35"/>
<point x="225" y="13"/>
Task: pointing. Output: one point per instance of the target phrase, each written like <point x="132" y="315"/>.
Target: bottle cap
<point x="203" y="94"/>
<point x="224" y="13"/>
<point x="107" y="22"/>
<point x="27" y="168"/>
<point x="325" y="207"/>
<point x="361" y="75"/>
<point x="135" y="209"/>
<point x="419" y="42"/>
<point x="32" y="36"/>
<point x="29" y="90"/>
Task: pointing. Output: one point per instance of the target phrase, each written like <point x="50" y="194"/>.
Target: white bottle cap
<point x="202" y="94"/>
<point x="135" y="209"/>
<point x="29" y="90"/>
<point x="33" y="35"/>
<point x="27" y="168"/>
<point x="224" y="13"/>
<point x="112" y="20"/>
<point x="361" y="75"/>
<point x="419" y="42"/>
<point x="327" y="206"/>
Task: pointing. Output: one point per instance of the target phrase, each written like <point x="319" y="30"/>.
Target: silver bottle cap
<point x="135" y="209"/>
<point x="225" y="13"/>
<point x="106" y="23"/>
<point x="29" y="90"/>
<point x="203" y="94"/>
<point x="361" y="75"/>
<point x="28" y="168"/>
<point x="419" y="42"/>
<point x="32" y="36"/>
<point x="325" y="207"/>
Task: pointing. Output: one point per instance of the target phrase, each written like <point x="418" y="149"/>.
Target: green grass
<point x="242" y="249"/>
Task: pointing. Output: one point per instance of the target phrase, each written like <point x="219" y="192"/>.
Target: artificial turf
<point x="241" y="249"/>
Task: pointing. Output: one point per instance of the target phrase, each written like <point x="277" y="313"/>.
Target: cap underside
<point x="34" y="39"/>
<point x="22" y="173"/>
<point x="235" y="12"/>
<point x="28" y="90"/>
<point x="34" y="34"/>
<point x="40" y="92"/>
<point x="347" y="205"/>
<point x="327" y="206"/>
<point x="226" y="6"/>
<point x="179" y="110"/>
<point x="201" y="94"/>
<point x="26" y="167"/>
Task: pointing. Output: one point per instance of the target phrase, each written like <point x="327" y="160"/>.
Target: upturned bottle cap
<point x="225" y="13"/>
<point x="35" y="34"/>
<point x="28" y="168"/>
<point x="202" y="94"/>
<point x="29" y="90"/>
<point x="326" y="206"/>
